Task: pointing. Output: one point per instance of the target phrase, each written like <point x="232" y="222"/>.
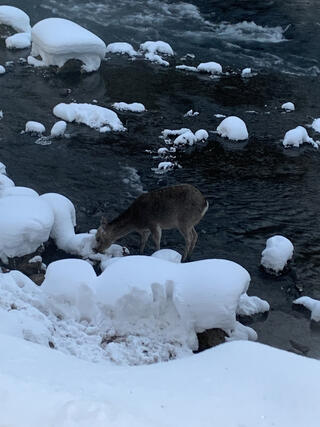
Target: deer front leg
<point x="187" y="234"/>
<point x="193" y="241"/>
<point x="144" y="238"/>
<point x="156" y="233"/>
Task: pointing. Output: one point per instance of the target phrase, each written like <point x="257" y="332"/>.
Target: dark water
<point x="257" y="189"/>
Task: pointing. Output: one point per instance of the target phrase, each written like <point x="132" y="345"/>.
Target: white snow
<point x="17" y="191"/>
<point x="233" y="128"/>
<point x="91" y="115"/>
<point x="165" y="166"/>
<point x="2" y="168"/>
<point x="15" y="18"/>
<point x="186" y="138"/>
<point x="169" y="132"/>
<point x="210" y="67"/>
<point x="168" y="255"/>
<point x="187" y="68"/>
<point x="311" y="304"/>
<point x="25" y="223"/>
<point x="2" y="69"/>
<point x="35" y="127"/>
<point x="288" y="106"/>
<point x="249" y="306"/>
<point x="122" y="48"/>
<point x="191" y="113"/>
<point x="58" y="40"/>
<point x="135" y="107"/>
<point x="156" y="58"/>
<point x="157" y="47"/>
<point x="316" y="125"/>
<point x="296" y="137"/>
<point x="58" y="129"/>
<point x="5" y="182"/>
<point x="18" y="41"/>
<point x="201" y="135"/>
<point x="246" y="72"/>
<point x="277" y="253"/>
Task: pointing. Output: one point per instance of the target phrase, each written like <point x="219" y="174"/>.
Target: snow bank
<point x="233" y="128"/>
<point x="296" y="137"/>
<point x="15" y="18"/>
<point x="278" y="251"/>
<point x="316" y="125"/>
<point x="19" y="41"/>
<point x="206" y="293"/>
<point x="135" y="107"/>
<point x="35" y="127"/>
<point x="311" y="304"/>
<point x="59" y="40"/>
<point x="58" y="129"/>
<point x="122" y="48"/>
<point x="25" y="223"/>
<point x="91" y="115"/>
<point x="288" y="106"/>
<point x="210" y="67"/>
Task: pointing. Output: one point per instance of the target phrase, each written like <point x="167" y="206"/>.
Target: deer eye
<point x="98" y="239"/>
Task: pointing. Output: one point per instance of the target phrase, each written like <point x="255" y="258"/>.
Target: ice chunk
<point x="233" y="128"/>
<point x="121" y="47"/>
<point x="59" y="40"/>
<point x="19" y="41"/>
<point x="278" y="251"/>
<point x="311" y="304"/>
<point x="35" y="127"/>
<point x="58" y="129"/>
<point x="15" y="18"/>
<point x="90" y="115"/>
<point x="296" y="137"/>
<point x="210" y="67"/>
<point x="135" y="107"/>
<point x="288" y="106"/>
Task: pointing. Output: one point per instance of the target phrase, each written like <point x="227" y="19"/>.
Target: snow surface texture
<point x="135" y="107"/>
<point x="122" y="48"/>
<point x="316" y="125"/>
<point x="296" y="137"/>
<point x="288" y="106"/>
<point x="278" y="251"/>
<point x="168" y="255"/>
<point x="311" y="304"/>
<point x="15" y="18"/>
<point x="35" y="127"/>
<point x="96" y="117"/>
<point x="233" y="128"/>
<point x="41" y="387"/>
<point x="19" y="41"/>
<point x="59" y="40"/>
<point x="210" y="67"/>
<point x="249" y="306"/>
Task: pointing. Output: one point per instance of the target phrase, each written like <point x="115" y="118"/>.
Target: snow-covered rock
<point x="25" y="223"/>
<point x="135" y="107"/>
<point x="122" y="48"/>
<point x="15" y="18"/>
<point x="58" y="129"/>
<point x="166" y="133"/>
<point x="35" y="127"/>
<point x="18" y="41"/>
<point x="296" y="137"/>
<point x="288" y="106"/>
<point x="165" y="166"/>
<point x="191" y="113"/>
<point x="249" y="306"/>
<point x="187" y="68"/>
<point x="186" y="138"/>
<point x="246" y="72"/>
<point x="210" y="67"/>
<point x="201" y="135"/>
<point x="2" y="69"/>
<point x="153" y="57"/>
<point x="168" y="255"/>
<point x="91" y="115"/>
<point x="233" y="128"/>
<point x="59" y="40"/>
<point x="277" y="253"/>
<point x="311" y="304"/>
<point x="316" y="125"/>
<point x="157" y="47"/>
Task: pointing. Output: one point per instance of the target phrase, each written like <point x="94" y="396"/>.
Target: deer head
<point x="104" y="237"/>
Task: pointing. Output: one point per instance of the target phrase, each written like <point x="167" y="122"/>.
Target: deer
<point x="179" y="206"/>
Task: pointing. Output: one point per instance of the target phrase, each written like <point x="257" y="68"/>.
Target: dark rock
<point x="210" y="338"/>
<point x="37" y="278"/>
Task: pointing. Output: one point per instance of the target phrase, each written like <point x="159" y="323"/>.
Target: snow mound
<point x="311" y="304"/>
<point x="152" y="57"/>
<point x="58" y="129"/>
<point x="296" y="137"/>
<point x="246" y="72"/>
<point x="168" y="255"/>
<point x="5" y="182"/>
<point x="17" y="191"/>
<point x="122" y="48"/>
<point x="15" y="18"/>
<point x="35" y="127"/>
<point x="184" y="136"/>
<point x="18" y="41"/>
<point x="277" y="253"/>
<point x="59" y="40"/>
<point x="157" y="47"/>
<point x="91" y="115"/>
<point x="233" y="128"/>
<point x="210" y="67"/>
<point x="2" y="69"/>
<point x="135" y="107"/>
<point x="249" y="306"/>
<point x="288" y="106"/>
<point x="316" y="125"/>
<point x="25" y="224"/>
<point x="201" y="135"/>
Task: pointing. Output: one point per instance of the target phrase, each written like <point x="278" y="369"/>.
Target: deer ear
<point x="103" y="221"/>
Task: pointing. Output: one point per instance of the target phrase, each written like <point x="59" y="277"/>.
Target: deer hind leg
<point x="188" y="235"/>
<point x="156" y="233"/>
<point x="144" y="238"/>
<point x="193" y="241"/>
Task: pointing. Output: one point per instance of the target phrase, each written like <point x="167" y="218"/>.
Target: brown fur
<point x="179" y="206"/>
